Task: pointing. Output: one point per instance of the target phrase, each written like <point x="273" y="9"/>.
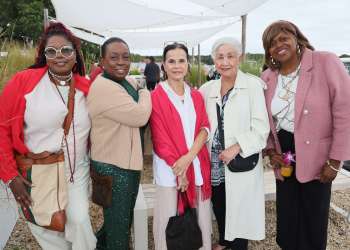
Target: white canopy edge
<point x="232" y="7"/>
<point x="117" y="14"/>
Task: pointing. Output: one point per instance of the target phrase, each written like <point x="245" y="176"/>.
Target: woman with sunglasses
<point x="32" y="111"/>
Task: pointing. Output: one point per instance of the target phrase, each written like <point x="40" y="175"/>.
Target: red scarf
<point x="169" y="141"/>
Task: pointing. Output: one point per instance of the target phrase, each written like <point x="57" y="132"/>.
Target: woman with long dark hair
<point x="33" y="106"/>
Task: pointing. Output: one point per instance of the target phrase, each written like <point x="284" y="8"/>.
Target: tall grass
<point x="17" y="59"/>
<point x="193" y="76"/>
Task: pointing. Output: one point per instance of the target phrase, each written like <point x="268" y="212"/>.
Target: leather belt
<point x="25" y="162"/>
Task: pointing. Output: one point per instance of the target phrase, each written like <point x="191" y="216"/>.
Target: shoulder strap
<point x="69" y="117"/>
<point x="220" y="127"/>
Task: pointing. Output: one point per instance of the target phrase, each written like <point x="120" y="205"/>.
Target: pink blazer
<point x="322" y="113"/>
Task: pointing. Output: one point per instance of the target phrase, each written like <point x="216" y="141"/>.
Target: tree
<point x="23" y="18"/>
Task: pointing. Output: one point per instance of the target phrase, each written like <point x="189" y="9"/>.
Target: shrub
<point x="251" y="67"/>
<point x="134" y="71"/>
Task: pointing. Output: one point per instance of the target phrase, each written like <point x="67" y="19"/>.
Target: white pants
<point x="166" y="206"/>
<point x="78" y="233"/>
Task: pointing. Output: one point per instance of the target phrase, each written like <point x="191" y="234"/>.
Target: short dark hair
<point x="151" y="58"/>
<point x="173" y="46"/>
<point x="273" y="30"/>
<point x="58" y="29"/>
<point x="109" y="41"/>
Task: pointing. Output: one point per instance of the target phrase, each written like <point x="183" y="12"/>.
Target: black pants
<point x="302" y="209"/>
<point x="219" y="207"/>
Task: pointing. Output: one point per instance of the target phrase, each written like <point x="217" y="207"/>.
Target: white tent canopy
<point x="148" y="24"/>
<point x="155" y="39"/>
<point x="102" y="15"/>
<point x="233" y="7"/>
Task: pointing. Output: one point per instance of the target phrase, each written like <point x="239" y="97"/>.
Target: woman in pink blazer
<point x="308" y="102"/>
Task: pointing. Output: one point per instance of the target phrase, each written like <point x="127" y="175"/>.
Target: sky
<point x="326" y="23"/>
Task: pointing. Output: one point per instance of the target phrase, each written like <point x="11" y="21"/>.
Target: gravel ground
<point x="338" y="233"/>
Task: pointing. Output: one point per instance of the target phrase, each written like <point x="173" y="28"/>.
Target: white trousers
<point x="166" y="206"/>
<point x="78" y="233"/>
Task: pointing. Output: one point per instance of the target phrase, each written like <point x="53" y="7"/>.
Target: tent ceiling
<point x="118" y="14"/>
<point x="148" y="24"/>
<point x="231" y="7"/>
<point x="154" y="40"/>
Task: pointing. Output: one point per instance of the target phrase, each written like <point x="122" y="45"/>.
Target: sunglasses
<point x="66" y="51"/>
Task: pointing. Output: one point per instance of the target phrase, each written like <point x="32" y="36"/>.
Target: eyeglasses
<point x="66" y="51"/>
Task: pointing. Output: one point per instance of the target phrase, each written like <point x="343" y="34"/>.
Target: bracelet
<point x="331" y="166"/>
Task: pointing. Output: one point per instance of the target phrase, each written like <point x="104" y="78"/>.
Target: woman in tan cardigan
<point x="117" y="109"/>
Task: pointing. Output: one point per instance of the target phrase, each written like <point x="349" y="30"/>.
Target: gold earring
<point x="272" y="60"/>
<point x="298" y="49"/>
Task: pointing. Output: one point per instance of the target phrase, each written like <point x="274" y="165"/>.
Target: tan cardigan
<point x="116" y="118"/>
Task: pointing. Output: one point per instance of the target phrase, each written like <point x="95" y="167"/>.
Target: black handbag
<point x="239" y="163"/>
<point x="182" y="231"/>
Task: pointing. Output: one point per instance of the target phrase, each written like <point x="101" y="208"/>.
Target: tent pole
<point x="193" y="56"/>
<point x="244" y="30"/>
<point x="199" y="65"/>
<point x="46" y="18"/>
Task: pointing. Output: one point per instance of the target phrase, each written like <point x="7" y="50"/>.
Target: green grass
<point x="134" y="71"/>
<point x="16" y="60"/>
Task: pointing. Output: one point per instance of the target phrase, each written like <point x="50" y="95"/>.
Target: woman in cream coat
<point x="237" y="197"/>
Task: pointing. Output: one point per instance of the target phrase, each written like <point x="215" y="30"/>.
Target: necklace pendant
<point x="62" y="83"/>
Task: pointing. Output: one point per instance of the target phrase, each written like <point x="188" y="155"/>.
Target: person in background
<point x="95" y="70"/>
<point x="152" y="74"/>
<point x="32" y="111"/>
<point x="238" y="197"/>
<point x="117" y="108"/>
<point x="308" y="100"/>
<point x="179" y="130"/>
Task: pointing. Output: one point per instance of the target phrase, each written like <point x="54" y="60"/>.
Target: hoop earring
<point x="273" y="61"/>
<point x="298" y="49"/>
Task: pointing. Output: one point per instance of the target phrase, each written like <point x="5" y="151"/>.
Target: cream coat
<point x="246" y="123"/>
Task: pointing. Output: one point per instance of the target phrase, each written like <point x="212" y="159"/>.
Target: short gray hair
<point x="233" y="42"/>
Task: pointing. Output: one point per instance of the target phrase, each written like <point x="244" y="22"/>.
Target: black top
<point x="152" y="72"/>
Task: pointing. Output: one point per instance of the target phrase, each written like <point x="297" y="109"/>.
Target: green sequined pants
<point x="115" y="232"/>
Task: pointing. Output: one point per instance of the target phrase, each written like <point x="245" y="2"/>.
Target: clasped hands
<point x="180" y="168"/>
<point x="328" y="172"/>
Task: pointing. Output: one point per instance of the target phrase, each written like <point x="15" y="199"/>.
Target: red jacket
<point x="12" y="108"/>
<point x="169" y="141"/>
